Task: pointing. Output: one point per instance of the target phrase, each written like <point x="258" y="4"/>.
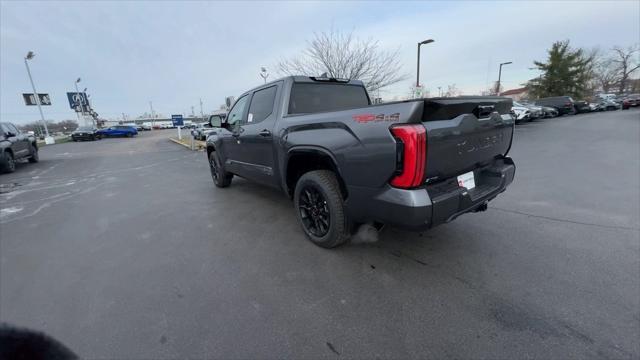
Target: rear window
<point x="314" y="97"/>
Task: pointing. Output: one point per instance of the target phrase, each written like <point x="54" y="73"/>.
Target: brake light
<point x="411" y="155"/>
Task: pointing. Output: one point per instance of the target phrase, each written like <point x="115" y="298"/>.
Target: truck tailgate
<point x="465" y="133"/>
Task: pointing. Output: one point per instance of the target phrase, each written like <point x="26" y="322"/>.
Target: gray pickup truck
<point x="412" y="164"/>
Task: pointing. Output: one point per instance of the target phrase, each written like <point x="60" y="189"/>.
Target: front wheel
<point x="9" y="162"/>
<point x="34" y="158"/>
<point x="320" y="209"/>
<point x="220" y="177"/>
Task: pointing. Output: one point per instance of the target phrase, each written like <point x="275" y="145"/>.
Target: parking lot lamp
<point x="428" y="41"/>
<point x="84" y="120"/>
<point x="500" y="76"/>
<point x="30" y="56"/>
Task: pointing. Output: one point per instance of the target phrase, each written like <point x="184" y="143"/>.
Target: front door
<point x="231" y="144"/>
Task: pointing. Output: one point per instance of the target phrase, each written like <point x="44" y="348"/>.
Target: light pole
<point x="30" y="56"/>
<point x="201" y="112"/>
<point x="264" y="74"/>
<point x="153" y="116"/>
<point x="80" y="103"/>
<point x="428" y="41"/>
<point x="500" y="76"/>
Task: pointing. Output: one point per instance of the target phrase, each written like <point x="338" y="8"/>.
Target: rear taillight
<point x="411" y="153"/>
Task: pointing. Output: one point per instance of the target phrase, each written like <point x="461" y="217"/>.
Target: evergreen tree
<point x="567" y="71"/>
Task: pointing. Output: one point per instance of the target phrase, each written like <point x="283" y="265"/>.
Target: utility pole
<point x="124" y="118"/>
<point x="201" y="112"/>
<point x="500" y="76"/>
<point x="153" y="116"/>
<point x="30" y="56"/>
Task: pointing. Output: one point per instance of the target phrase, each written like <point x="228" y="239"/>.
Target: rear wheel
<point x="220" y="177"/>
<point x="9" y="162"/>
<point x="34" y="158"/>
<point x="320" y="208"/>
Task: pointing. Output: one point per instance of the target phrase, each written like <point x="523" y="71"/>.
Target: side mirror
<point x="215" y="121"/>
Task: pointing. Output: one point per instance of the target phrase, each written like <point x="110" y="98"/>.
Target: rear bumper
<point x="423" y="208"/>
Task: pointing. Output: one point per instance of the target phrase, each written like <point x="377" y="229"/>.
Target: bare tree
<point x="627" y="62"/>
<point x="452" y="90"/>
<point x="605" y="75"/>
<point x="341" y="55"/>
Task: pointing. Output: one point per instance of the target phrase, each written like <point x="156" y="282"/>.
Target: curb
<point x="198" y="147"/>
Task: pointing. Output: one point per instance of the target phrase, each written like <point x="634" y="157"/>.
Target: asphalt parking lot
<point x="123" y="248"/>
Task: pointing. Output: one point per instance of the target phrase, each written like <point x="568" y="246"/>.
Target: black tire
<point x="320" y="209"/>
<point x="220" y="177"/>
<point x="9" y="162"/>
<point x="93" y="138"/>
<point x="34" y="158"/>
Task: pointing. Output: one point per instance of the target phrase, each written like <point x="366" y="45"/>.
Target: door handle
<point x="265" y="133"/>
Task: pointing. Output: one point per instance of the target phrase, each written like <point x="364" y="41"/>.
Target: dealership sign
<point x="30" y="99"/>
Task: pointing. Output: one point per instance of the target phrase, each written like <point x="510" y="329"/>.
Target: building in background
<point x="516" y="94"/>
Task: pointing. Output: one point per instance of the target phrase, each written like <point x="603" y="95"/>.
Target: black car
<point x="564" y="104"/>
<point x="85" y="133"/>
<point x="581" y="107"/>
<point x="15" y="145"/>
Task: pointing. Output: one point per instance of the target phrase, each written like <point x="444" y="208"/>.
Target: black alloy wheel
<point x="314" y="211"/>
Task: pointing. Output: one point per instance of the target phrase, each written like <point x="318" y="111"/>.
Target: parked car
<point x="606" y="105"/>
<point x="412" y="164"/>
<point x="118" y="130"/>
<point x="564" y="104"/>
<point x="85" y="133"/>
<point x="535" y="112"/>
<point x="632" y="100"/>
<point x="521" y="113"/>
<point x="146" y="127"/>
<point x="549" y="112"/>
<point x="16" y="145"/>
<point x="581" y="107"/>
<point x="201" y="131"/>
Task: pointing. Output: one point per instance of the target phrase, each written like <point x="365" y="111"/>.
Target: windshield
<point x="85" y="128"/>
<point x="316" y="97"/>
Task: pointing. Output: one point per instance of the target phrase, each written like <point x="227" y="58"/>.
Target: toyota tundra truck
<point x="411" y="164"/>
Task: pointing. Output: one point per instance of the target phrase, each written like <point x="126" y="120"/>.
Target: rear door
<point x="255" y="139"/>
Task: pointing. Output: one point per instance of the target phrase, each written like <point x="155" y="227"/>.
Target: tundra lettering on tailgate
<point x="479" y="143"/>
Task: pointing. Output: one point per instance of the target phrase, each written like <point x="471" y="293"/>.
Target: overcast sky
<point x="173" y="53"/>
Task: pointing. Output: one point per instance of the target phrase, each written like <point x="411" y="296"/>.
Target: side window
<point x="262" y="104"/>
<point x="4" y="128"/>
<point x="236" y="113"/>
